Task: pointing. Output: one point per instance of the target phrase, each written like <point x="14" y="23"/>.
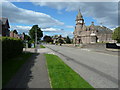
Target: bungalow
<point x="57" y="37"/>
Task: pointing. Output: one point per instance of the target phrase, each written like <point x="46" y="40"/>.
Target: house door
<point x="79" y="40"/>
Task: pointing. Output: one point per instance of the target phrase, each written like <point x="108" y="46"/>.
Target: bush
<point x="116" y="35"/>
<point x="11" y="47"/>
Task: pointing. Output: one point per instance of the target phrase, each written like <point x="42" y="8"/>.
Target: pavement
<point x="39" y="72"/>
<point x="32" y="74"/>
<point x="97" y="68"/>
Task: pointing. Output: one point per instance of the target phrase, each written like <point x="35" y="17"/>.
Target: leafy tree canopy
<point x="68" y="40"/>
<point x="27" y="37"/>
<point x="47" y="39"/>
<point x="116" y="34"/>
<point x="35" y="29"/>
<point x="60" y="41"/>
<point x="15" y="31"/>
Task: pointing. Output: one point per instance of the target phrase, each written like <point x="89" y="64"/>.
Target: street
<point x="98" y="69"/>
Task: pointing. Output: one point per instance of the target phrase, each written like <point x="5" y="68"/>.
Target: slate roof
<point x="3" y="21"/>
<point x="79" y="16"/>
<point x="100" y="29"/>
<point x="103" y="30"/>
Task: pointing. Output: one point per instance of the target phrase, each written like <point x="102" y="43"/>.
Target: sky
<point x="58" y="17"/>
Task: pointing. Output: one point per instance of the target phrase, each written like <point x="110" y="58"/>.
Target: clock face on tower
<point x="80" y="21"/>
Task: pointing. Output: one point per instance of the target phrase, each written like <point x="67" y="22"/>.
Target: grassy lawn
<point x="10" y="67"/>
<point x="41" y="46"/>
<point x="62" y="76"/>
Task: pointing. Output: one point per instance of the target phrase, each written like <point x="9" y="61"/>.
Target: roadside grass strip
<point x="62" y="76"/>
<point x="41" y="46"/>
<point x="11" y="66"/>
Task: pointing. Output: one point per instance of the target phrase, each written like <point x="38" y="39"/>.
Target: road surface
<point x="99" y="69"/>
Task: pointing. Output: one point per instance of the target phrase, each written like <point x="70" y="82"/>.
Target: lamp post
<point x="36" y="37"/>
<point x="26" y="45"/>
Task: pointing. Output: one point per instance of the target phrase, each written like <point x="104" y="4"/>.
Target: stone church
<point x="90" y="34"/>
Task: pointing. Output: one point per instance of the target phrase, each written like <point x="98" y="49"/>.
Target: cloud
<point x="68" y="33"/>
<point x="27" y="28"/>
<point x="105" y="12"/>
<point x="20" y="29"/>
<point x="70" y="26"/>
<point x="28" y="17"/>
<point x="51" y="30"/>
<point x="57" y="31"/>
<point x="63" y="0"/>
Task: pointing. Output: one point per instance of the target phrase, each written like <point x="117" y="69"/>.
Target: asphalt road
<point x="99" y="69"/>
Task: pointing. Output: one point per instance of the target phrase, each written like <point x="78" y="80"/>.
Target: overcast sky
<point x="58" y="17"/>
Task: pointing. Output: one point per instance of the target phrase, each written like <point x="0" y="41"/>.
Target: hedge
<point x="11" y="47"/>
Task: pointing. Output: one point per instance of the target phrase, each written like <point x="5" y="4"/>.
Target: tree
<point x="68" y="40"/>
<point x="33" y="31"/>
<point x="116" y="34"/>
<point x="15" y="31"/>
<point x="47" y="39"/>
<point x="23" y="33"/>
<point x="27" y="40"/>
<point x="27" y="37"/>
<point x="60" y="41"/>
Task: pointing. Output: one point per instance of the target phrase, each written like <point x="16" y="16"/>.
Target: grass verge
<point x="11" y="66"/>
<point x="41" y="46"/>
<point x="62" y="76"/>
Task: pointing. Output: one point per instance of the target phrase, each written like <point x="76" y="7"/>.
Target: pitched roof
<point x="79" y="16"/>
<point x="3" y="21"/>
<point x="100" y="29"/>
<point x="103" y="29"/>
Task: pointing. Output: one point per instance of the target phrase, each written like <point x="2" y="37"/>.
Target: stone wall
<point x="95" y="45"/>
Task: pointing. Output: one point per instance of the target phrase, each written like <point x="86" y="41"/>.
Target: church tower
<point x="79" y="19"/>
<point x="78" y="28"/>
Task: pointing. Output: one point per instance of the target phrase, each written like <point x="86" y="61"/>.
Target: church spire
<point x="79" y="10"/>
<point x="79" y="16"/>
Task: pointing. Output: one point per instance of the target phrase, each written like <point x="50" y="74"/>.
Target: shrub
<point x="11" y="47"/>
<point x="116" y="35"/>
